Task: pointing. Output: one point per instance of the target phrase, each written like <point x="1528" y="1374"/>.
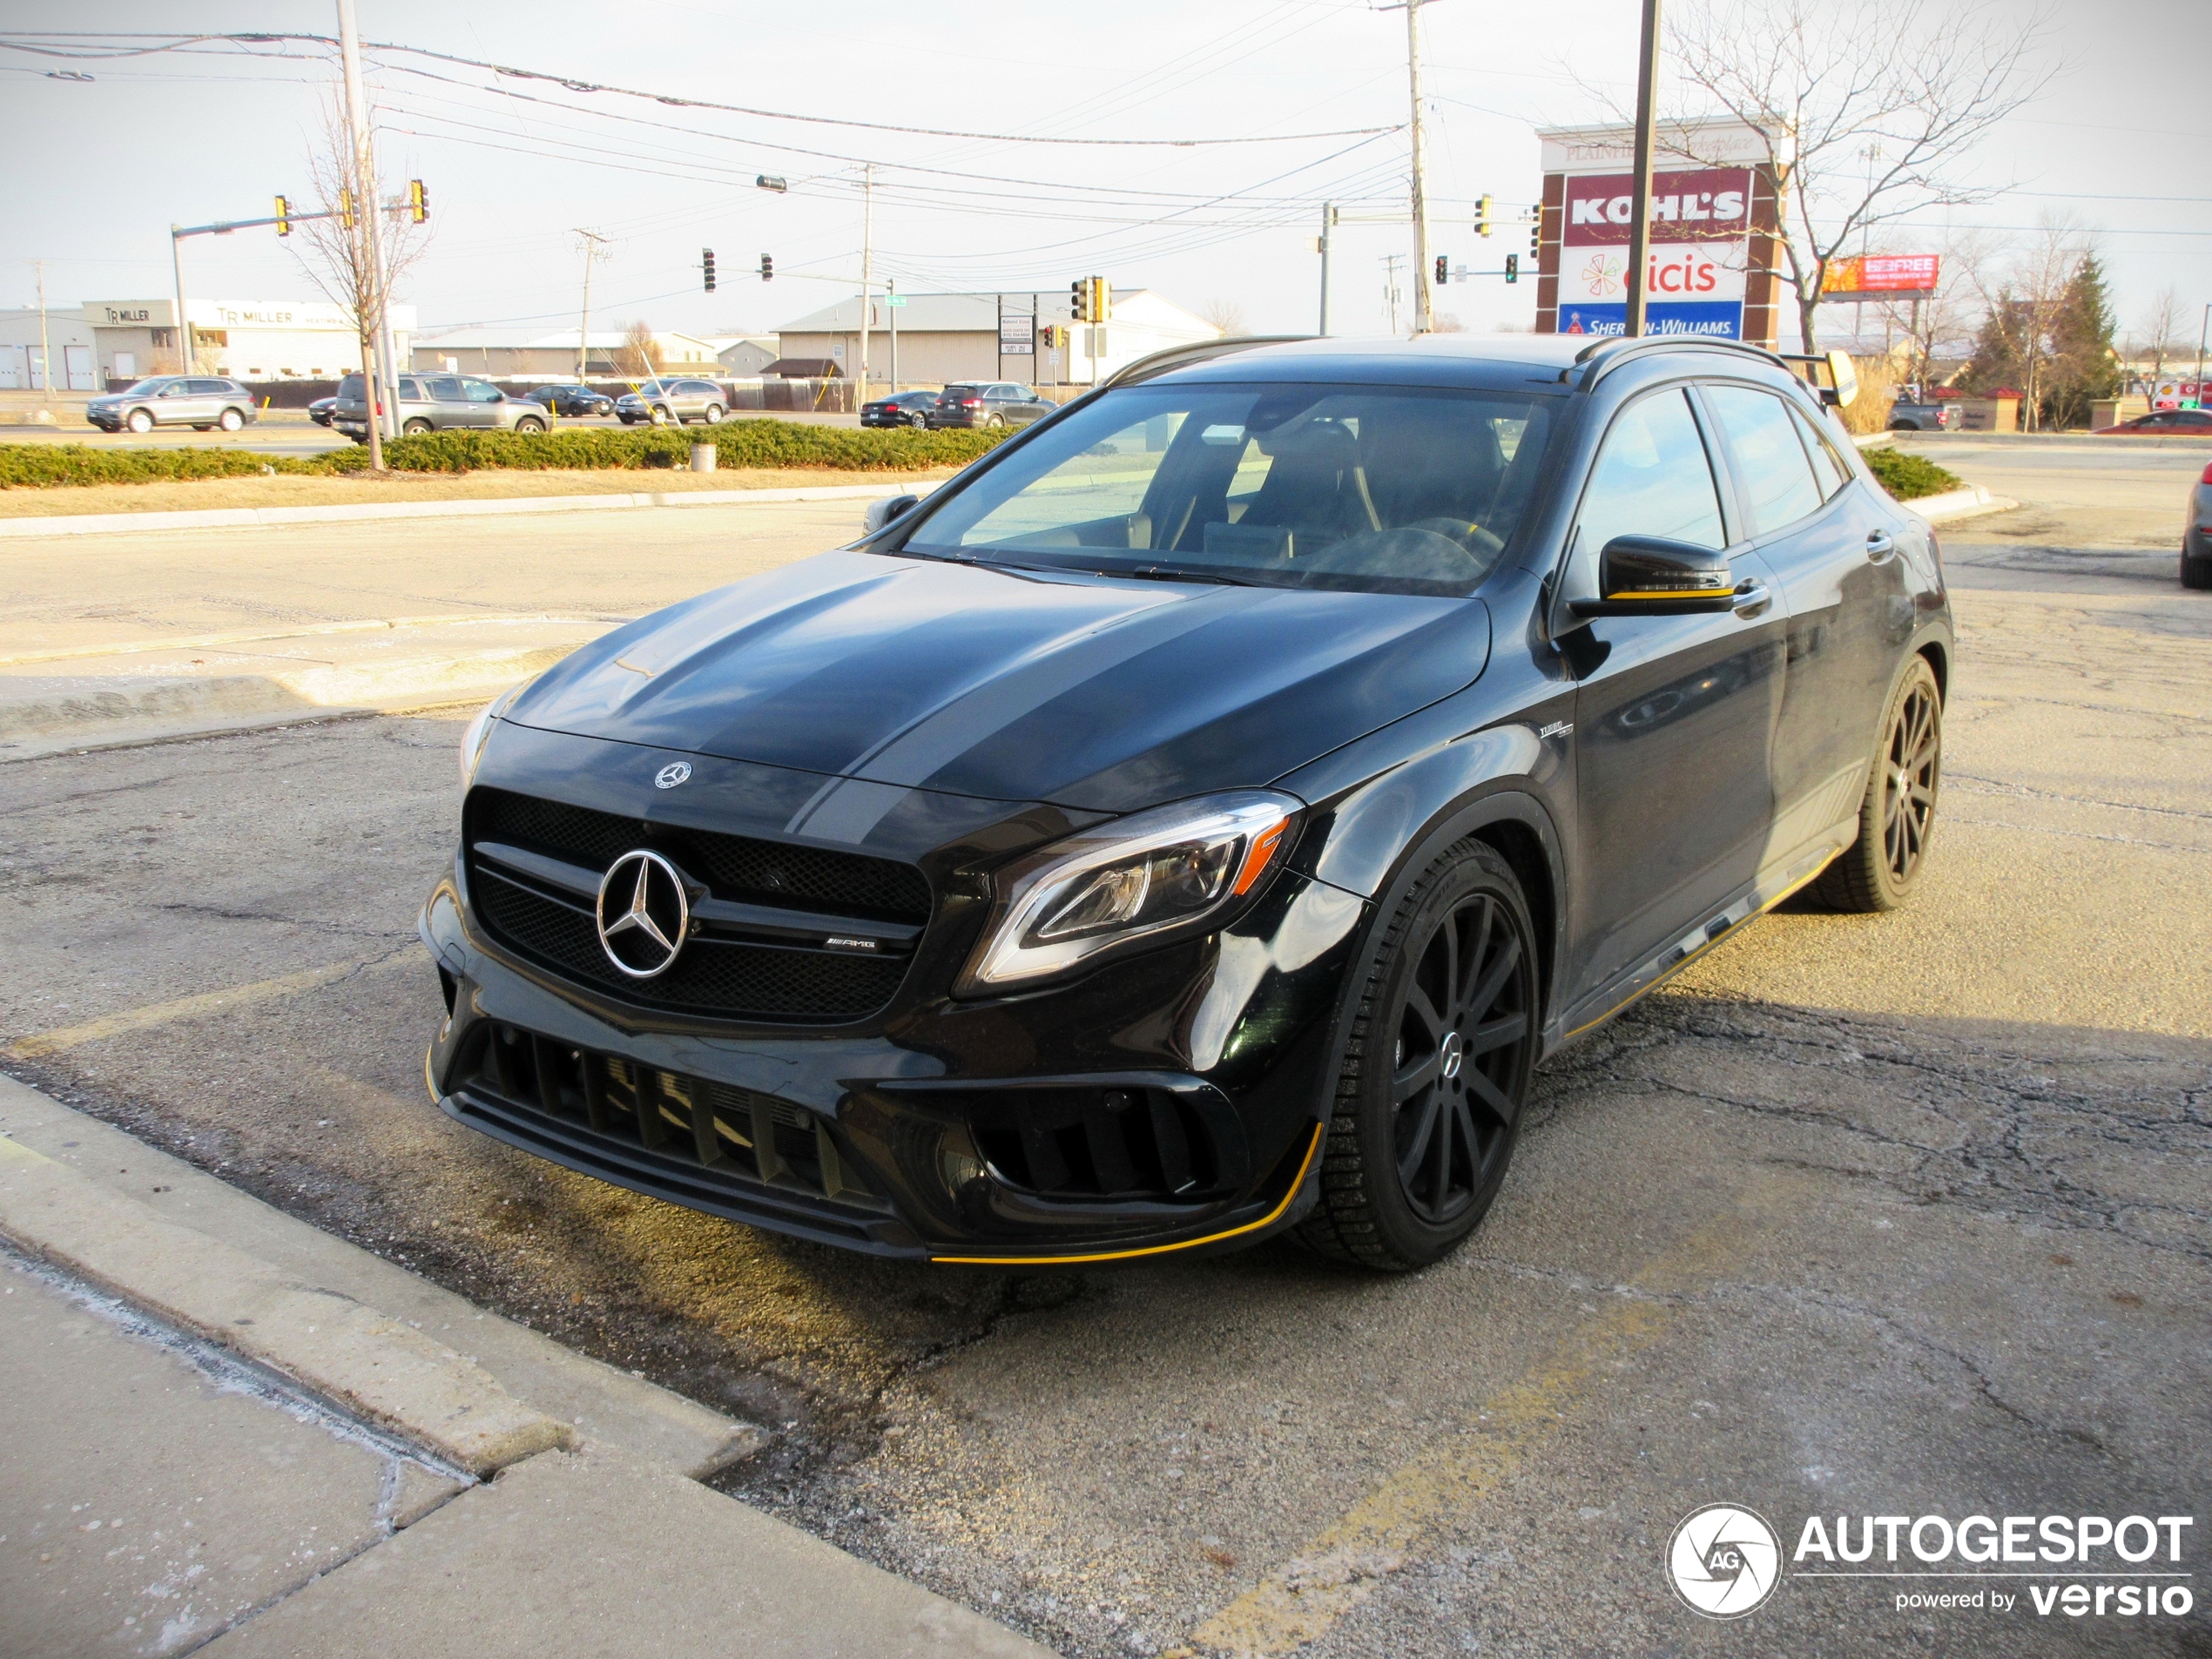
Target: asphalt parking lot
<point x="1863" y="1216"/>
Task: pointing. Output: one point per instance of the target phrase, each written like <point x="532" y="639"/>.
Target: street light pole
<point x="45" y="345"/>
<point x="592" y="243"/>
<point x="2203" y="333"/>
<point x="184" y="327"/>
<point x="1640" y="202"/>
<point x="1421" y="317"/>
<point x="1328" y="224"/>
<point x="867" y="251"/>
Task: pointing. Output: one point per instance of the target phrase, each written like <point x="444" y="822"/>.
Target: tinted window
<point x="446" y="389"/>
<point x="483" y="392"/>
<point x="698" y="388"/>
<point x="1379" y="488"/>
<point x="209" y="388"/>
<point x="1652" y="478"/>
<point x="1828" y="466"/>
<point x="354" y="386"/>
<point x="2193" y="417"/>
<point x="1771" y="465"/>
<point x="957" y="392"/>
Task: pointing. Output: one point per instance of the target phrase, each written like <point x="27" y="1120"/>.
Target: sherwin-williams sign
<point x="1700" y="229"/>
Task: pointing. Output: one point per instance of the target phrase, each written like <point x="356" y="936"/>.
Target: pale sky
<point x="99" y="169"/>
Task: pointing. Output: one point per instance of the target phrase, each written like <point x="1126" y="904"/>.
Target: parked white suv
<point x="197" y="401"/>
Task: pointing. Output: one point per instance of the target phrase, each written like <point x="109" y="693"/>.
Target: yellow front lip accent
<point x="1312" y="1148"/>
<point x="1672" y="593"/>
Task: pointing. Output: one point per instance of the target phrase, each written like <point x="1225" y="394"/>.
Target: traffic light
<point x="1102" y="299"/>
<point x="418" y="201"/>
<point x="1443" y="271"/>
<point x="1512" y="268"/>
<point x="1079" y="299"/>
<point x="767" y="268"/>
<point x="1536" y="230"/>
<point x="706" y="268"/>
<point x="345" y="208"/>
<point x="284" y="216"/>
<point x="1483" y="207"/>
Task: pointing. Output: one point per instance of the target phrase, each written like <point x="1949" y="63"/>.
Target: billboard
<point x="1882" y="275"/>
<point x="1697" y="276"/>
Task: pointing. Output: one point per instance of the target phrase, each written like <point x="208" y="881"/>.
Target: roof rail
<point x="1615" y="349"/>
<point x="1175" y="357"/>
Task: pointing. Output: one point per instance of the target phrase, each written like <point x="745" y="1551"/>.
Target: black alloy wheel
<point x="1896" y="815"/>
<point x="1437" y="1070"/>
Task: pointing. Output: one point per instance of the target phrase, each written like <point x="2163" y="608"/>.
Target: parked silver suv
<point x="660" y="401"/>
<point x="197" y="401"/>
<point x="438" y="404"/>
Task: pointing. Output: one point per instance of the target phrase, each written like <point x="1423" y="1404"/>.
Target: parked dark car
<point x="2163" y="423"/>
<point x="1196" y="819"/>
<point x="1908" y="416"/>
<point x="573" y="400"/>
<point x="901" y="409"/>
<point x="989" y="404"/>
<point x="321" y="409"/>
<point x="200" y="401"/>
<point x="659" y="402"/>
<point x="2196" y="536"/>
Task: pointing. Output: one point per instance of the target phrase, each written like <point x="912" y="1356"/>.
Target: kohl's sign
<point x="1694" y="283"/>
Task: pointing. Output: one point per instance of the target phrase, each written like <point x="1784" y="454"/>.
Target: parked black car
<point x="986" y="403"/>
<point x="321" y="409"/>
<point x="901" y="409"/>
<point x="1196" y="819"/>
<point x="573" y="400"/>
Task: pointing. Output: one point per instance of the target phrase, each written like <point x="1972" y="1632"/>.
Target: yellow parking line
<point x="1340" y="1566"/>
<point x="185" y="1008"/>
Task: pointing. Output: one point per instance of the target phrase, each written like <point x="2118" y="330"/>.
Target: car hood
<point x="1089" y="692"/>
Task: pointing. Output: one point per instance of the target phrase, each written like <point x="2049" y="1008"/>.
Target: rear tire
<point x="2196" y="573"/>
<point x="714" y="414"/>
<point x="231" y="421"/>
<point x="1436" y="1070"/>
<point x="1896" y="815"/>
<point x="992" y="423"/>
<point x="414" y="428"/>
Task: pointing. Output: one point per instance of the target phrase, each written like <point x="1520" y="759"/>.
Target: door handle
<point x="1752" y="599"/>
<point x="1879" y="545"/>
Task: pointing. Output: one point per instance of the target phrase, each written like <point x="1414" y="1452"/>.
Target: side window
<point x="1652" y="478"/>
<point x="447" y="389"/>
<point x="411" y="392"/>
<point x="483" y="392"/>
<point x="1827" y="465"/>
<point x="1770" y="464"/>
<point x="208" y="388"/>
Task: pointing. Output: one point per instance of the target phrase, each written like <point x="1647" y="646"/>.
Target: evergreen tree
<point x="2083" y="365"/>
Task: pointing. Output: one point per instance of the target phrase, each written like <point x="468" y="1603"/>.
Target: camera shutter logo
<point x="1724" y="1561"/>
<point x="674" y="773"/>
<point x="643" y="913"/>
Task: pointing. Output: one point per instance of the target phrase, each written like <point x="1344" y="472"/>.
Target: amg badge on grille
<point x="643" y="913"/>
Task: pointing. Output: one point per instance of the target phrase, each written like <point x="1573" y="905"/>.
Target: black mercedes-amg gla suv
<point x="1195" y="819"/>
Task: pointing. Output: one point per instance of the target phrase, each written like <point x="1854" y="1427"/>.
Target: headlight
<point x="1173" y="870"/>
<point x="479" y="732"/>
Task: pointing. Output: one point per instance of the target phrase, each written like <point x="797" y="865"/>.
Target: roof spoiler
<point x="1175" y="357"/>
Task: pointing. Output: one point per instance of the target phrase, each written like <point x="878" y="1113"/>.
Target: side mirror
<point x="880" y="513"/>
<point x="1649" y="576"/>
<point x="1844" y="375"/>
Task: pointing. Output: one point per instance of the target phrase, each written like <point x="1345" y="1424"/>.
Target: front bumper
<point x="1169" y="1101"/>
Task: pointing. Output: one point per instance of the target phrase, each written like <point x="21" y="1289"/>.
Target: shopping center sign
<point x="1700" y="229"/>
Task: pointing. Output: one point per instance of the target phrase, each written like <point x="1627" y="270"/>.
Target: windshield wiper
<point x="1170" y="573"/>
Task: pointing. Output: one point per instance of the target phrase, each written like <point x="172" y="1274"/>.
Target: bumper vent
<point x="1122" y="1143"/>
<point x="683" y="1137"/>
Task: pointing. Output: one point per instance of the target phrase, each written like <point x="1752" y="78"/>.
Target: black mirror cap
<point x="1651" y="576"/>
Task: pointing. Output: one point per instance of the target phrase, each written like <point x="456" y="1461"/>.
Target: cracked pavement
<point x="1899" y="1214"/>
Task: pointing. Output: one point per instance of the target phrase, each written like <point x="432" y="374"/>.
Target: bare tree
<point x="640" y="352"/>
<point x="340" y="260"/>
<point x="2162" y="333"/>
<point x="2020" y="338"/>
<point x="1225" y="314"/>
<point x="1942" y="323"/>
<point x="1868" y="109"/>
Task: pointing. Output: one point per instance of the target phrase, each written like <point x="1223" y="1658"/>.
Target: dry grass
<point x="1870" y="410"/>
<point x="476" y="486"/>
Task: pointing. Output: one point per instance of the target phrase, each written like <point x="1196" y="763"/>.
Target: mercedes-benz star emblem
<point x="643" y="913"/>
<point x="674" y="773"/>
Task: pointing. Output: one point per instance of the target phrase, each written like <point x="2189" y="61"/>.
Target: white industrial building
<point x="250" y="339"/>
<point x="946" y="337"/>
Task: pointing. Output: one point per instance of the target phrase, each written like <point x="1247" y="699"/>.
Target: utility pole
<point x="1328" y="224"/>
<point x="1420" y="188"/>
<point x="891" y="305"/>
<point x="177" y="270"/>
<point x="2202" y="335"/>
<point x="593" y="242"/>
<point x="1391" y="262"/>
<point x="367" y="250"/>
<point x="868" y="250"/>
<point x="1640" y="202"/>
<point x="46" y="346"/>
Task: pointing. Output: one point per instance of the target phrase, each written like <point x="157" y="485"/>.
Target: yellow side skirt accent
<point x="1313" y="1147"/>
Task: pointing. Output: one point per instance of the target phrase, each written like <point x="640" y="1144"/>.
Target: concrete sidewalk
<point x="227" y="1431"/>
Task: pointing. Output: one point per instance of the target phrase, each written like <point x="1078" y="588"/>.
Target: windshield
<point x="1391" y="489"/>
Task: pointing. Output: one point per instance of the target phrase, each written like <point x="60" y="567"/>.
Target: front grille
<point x="737" y="866"/>
<point x="769" y="980"/>
<point x="663" y="1131"/>
<point x="1064" y="1143"/>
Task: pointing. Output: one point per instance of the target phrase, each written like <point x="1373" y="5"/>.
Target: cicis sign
<point x="1883" y="274"/>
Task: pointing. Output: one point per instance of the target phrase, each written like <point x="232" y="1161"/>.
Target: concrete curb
<point x="150" y="1228"/>
<point x="384" y="1371"/>
<point x="253" y="517"/>
<point x="1969" y="503"/>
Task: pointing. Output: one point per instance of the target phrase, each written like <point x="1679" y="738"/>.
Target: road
<point x="1863" y="1215"/>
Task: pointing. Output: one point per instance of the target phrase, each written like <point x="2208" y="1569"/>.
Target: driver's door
<point x="1674" y="716"/>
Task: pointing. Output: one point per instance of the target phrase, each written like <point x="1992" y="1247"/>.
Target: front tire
<point x="140" y="421"/>
<point x="1896" y="815"/>
<point x="529" y="423"/>
<point x="1436" y="1070"/>
<point x="660" y="416"/>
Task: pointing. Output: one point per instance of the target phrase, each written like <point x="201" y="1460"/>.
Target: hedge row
<point x="34" y="465"/>
<point x="1909" y="477"/>
<point x="737" y="443"/>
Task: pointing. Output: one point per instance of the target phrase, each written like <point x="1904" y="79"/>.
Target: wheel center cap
<point x="1451" y="1053"/>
